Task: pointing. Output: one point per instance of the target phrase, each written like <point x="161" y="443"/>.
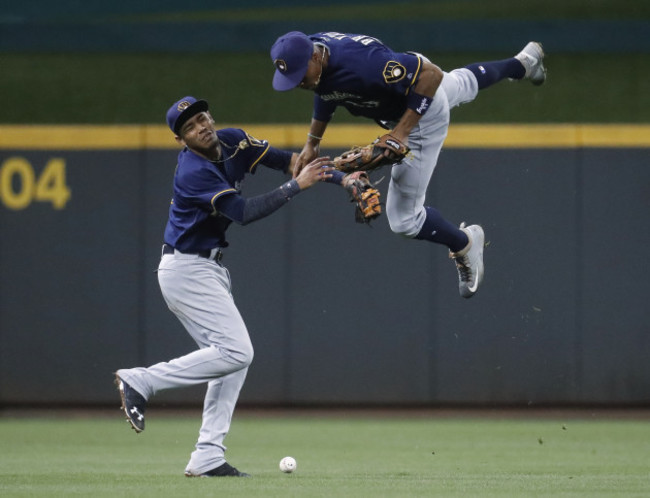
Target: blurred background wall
<point x="86" y="167"/>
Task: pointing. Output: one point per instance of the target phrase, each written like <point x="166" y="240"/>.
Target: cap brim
<point x="192" y="110"/>
<point x="283" y="82"/>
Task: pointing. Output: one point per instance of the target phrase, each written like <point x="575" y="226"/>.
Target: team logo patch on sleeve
<point x="256" y="142"/>
<point x="393" y="72"/>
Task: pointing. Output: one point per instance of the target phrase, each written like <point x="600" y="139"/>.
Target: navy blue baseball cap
<point x="290" y="54"/>
<point x="184" y="109"/>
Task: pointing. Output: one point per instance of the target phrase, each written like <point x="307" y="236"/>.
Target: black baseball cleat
<point x="133" y="404"/>
<point x="223" y="470"/>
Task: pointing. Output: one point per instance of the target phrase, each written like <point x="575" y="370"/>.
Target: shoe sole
<point x="120" y="388"/>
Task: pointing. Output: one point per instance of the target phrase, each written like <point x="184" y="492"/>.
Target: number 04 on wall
<point x="20" y="186"/>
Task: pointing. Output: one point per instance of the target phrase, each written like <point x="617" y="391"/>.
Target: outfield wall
<point x="562" y="317"/>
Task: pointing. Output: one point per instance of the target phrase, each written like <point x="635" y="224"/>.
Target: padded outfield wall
<point x="561" y="318"/>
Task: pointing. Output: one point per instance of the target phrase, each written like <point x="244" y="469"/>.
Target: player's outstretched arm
<point x="311" y="148"/>
<point x="244" y="210"/>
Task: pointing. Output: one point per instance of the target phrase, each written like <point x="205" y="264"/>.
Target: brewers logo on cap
<point x="182" y="110"/>
<point x="291" y="54"/>
<point x="184" y="104"/>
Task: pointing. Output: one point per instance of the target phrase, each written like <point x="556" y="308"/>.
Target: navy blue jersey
<point x="364" y="76"/>
<point x="195" y="223"/>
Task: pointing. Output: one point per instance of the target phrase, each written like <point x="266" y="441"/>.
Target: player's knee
<point x="405" y="227"/>
<point x="244" y="354"/>
<point x="249" y="355"/>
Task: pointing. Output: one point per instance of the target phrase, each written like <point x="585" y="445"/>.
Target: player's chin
<point x="209" y="138"/>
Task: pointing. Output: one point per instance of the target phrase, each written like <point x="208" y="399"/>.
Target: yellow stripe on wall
<point x="127" y="137"/>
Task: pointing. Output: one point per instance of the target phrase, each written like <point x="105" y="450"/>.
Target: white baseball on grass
<point x="288" y="464"/>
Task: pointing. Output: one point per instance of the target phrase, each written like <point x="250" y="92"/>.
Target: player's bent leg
<point x="437" y="229"/>
<point x="404" y="209"/>
<point x="527" y="64"/>
<point x="403" y="218"/>
<point x="198" y="293"/>
<point x="460" y="85"/>
<point x="198" y="367"/>
<point x="410" y="178"/>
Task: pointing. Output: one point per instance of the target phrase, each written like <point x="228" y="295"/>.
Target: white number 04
<point x="19" y="185"/>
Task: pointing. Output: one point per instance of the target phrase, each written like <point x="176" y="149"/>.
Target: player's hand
<point x="402" y="137"/>
<point x="308" y="154"/>
<point x="317" y="170"/>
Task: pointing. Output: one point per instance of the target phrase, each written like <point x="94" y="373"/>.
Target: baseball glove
<point x="386" y="150"/>
<point x="365" y="195"/>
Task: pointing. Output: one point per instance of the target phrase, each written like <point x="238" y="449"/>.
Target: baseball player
<point x="196" y="285"/>
<point x="409" y="95"/>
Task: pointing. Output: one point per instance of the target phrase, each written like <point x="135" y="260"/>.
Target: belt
<point x="218" y="256"/>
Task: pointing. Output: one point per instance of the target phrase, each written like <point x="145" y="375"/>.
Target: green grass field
<point x="359" y="455"/>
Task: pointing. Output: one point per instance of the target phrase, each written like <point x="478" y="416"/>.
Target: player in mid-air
<point x="195" y="285"/>
<point x="409" y="95"/>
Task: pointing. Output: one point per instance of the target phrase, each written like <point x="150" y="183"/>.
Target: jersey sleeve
<point x="277" y="159"/>
<point x="256" y="151"/>
<point x="259" y="152"/>
<point x="323" y="111"/>
<point x="398" y="72"/>
<point x="201" y="187"/>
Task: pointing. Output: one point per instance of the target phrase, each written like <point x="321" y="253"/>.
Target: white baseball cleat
<point x="469" y="261"/>
<point x="532" y="58"/>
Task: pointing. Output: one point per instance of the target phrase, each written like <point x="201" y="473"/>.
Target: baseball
<point x="288" y="464"/>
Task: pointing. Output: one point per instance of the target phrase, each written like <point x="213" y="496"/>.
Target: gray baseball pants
<point x="410" y="178"/>
<point x="198" y="291"/>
